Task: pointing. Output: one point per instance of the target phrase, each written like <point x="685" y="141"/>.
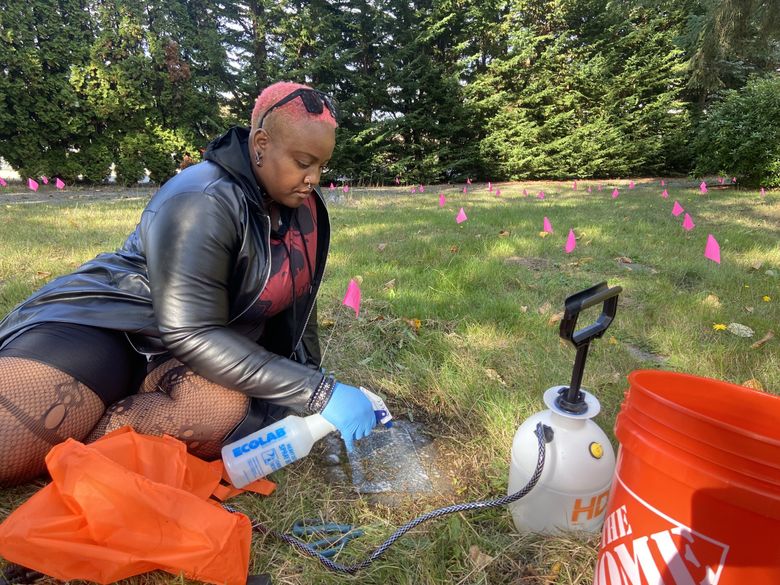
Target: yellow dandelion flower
<point x="766" y="298"/>
<point x="719" y="326"/>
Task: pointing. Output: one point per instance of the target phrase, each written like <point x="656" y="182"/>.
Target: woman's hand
<point x="350" y="412"/>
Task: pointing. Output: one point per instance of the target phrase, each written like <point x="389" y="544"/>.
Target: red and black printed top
<point x="289" y="262"/>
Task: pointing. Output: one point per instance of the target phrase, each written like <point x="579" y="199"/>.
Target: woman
<point x="203" y="324"/>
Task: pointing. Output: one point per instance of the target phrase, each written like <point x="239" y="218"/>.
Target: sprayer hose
<point x="380" y="550"/>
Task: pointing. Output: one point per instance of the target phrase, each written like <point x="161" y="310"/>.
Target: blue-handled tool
<point x="335" y="536"/>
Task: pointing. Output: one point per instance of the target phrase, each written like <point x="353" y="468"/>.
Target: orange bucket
<point x="696" y="494"/>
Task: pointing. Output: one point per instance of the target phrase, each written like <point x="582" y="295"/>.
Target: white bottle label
<point x="266" y="453"/>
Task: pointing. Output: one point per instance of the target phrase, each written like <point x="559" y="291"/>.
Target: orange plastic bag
<point x="125" y="505"/>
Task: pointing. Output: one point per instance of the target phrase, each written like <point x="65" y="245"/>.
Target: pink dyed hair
<point x="294" y="110"/>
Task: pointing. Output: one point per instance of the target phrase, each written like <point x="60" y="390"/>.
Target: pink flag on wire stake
<point x="59" y="183"/>
<point x="590" y="189"/>
<point x="352" y="296"/>
<point x="720" y="180"/>
<point x="712" y="249"/>
<point x="498" y="192"/>
<point x="414" y="189"/>
<point x="2" y="182"/>
<point x="703" y="187"/>
<point x="615" y="193"/>
<point x="464" y="190"/>
<point x="547" y="226"/>
<point x="677" y="209"/>
<point x="45" y="179"/>
<point x="422" y="189"/>
<point x="688" y="224"/>
<point x="571" y="242"/>
<point x="631" y="184"/>
<point x="345" y="189"/>
<point x="461" y="217"/>
<point x="525" y="192"/>
<point x="442" y="200"/>
<point x="763" y="192"/>
<point x="665" y="194"/>
<point x="32" y="184"/>
<point x="599" y="187"/>
<point x="332" y="186"/>
<point x="663" y="183"/>
<point x="468" y="180"/>
<point x="490" y="187"/>
<point x="574" y="185"/>
<point x="541" y="195"/>
<point x="733" y="179"/>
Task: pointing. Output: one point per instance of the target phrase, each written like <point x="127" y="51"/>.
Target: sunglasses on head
<point x="313" y="99"/>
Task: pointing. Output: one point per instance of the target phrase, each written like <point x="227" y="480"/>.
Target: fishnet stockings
<point x="175" y="401"/>
<point x="40" y="406"/>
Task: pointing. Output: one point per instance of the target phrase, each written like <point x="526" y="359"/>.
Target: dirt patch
<point x="535" y="264"/>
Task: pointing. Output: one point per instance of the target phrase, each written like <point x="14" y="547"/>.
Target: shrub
<point x="741" y="134"/>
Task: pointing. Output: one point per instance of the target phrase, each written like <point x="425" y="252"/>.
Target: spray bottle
<point x="573" y="489"/>
<point x="284" y="442"/>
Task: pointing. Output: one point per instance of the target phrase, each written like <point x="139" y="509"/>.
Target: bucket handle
<point x="571" y="399"/>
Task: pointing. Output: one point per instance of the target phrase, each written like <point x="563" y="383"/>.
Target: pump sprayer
<point x="573" y="489"/>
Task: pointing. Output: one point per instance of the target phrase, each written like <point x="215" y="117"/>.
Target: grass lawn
<point x="458" y="328"/>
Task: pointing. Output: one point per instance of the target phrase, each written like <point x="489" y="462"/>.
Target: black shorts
<point x="101" y="359"/>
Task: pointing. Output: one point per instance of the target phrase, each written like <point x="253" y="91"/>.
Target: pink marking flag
<point x="397" y="181"/>
<point x="712" y="249"/>
<point x="352" y="297"/>
<point x="468" y="180"/>
<point x="615" y="193"/>
<point x="498" y="192"/>
<point x="763" y="192"/>
<point x="571" y="242"/>
<point x="574" y="185"/>
<point x="665" y="194"/>
<point x="703" y="187"/>
<point x="590" y="189"/>
<point x="442" y="200"/>
<point x="345" y="189"/>
<point x="422" y="189"/>
<point x="720" y="180"/>
<point x="32" y="184"/>
<point x="490" y="187"/>
<point x="464" y="190"/>
<point x="2" y="182"/>
<point x="733" y="179"/>
<point x="547" y="226"/>
<point x="525" y="192"/>
<point x="631" y="184"/>
<point x="461" y="217"/>
<point x="688" y="224"/>
<point x="541" y="195"/>
<point x="599" y="187"/>
<point x="45" y="179"/>
<point x="677" y="209"/>
<point x="332" y="186"/>
<point x="59" y="184"/>
<point x="414" y="189"/>
<point x="663" y="183"/>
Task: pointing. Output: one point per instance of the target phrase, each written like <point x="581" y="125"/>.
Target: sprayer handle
<point x="600" y="293"/>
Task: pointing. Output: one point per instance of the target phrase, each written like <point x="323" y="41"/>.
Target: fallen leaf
<point x="493" y="375"/>
<point x="545" y="308"/>
<point x="523" y="308"/>
<point x="712" y="301"/>
<point x="381" y="247"/>
<point x="749" y="309"/>
<point x="454" y="249"/>
<point x="503" y="233"/>
<point x="556" y="318"/>
<point x="359" y="279"/>
<point x="624" y="260"/>
<point x="327" y="322"/>
<point x="478" y="558"/>
<point x="612" y="340"/>
<point x="757" y="265"/>
<point x="544" y="234"/>
<point x="42" y="273"/>
<point x="740" y="330"/>
<point x="769" y="335"/>
<point x="754" y="384"/>
<point x="414" y="324"/>
<point x="389" y="285"/>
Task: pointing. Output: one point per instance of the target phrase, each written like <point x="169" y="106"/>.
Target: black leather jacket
<point x="185" y="280"/>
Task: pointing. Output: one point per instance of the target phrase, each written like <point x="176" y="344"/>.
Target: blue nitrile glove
<point x="350" y="412"/>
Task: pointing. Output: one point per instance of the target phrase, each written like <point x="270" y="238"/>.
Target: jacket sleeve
<point x="191" y="243"/>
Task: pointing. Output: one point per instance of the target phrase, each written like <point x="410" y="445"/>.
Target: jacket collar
<point x="231" y="152"/>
